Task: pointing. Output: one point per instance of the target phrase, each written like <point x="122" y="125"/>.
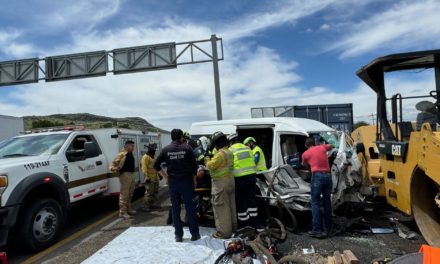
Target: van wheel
<point x="41" y="224"/>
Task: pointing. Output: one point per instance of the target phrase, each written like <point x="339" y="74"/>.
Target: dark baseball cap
<point x="128" y="142"/>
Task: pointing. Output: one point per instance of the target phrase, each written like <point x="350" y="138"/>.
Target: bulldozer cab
<point x="392" y="137"/>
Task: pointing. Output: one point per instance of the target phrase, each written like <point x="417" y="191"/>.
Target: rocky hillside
<point x="89" y="121"/>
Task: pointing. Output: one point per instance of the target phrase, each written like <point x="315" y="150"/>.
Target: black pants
<point x="183" y="189"/>
<point x="245" y="189"/>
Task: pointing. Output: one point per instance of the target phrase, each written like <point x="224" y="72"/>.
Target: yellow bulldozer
<point x="401" y="158"/>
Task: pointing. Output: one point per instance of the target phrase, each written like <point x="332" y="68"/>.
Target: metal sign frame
<point x="75" y="66"/>
<point x="19" y="72"/>
<point x="89" y="64"/>
<point x="148" y="55"/>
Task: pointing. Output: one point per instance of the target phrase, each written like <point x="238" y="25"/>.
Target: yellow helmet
<point x="249" y="139"/>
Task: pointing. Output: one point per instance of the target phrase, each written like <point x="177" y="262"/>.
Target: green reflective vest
<point x="199" y="154"/>
<point x="225" y="170"/>
<point x="261" y="165"/>
<point x="243" y="160"/>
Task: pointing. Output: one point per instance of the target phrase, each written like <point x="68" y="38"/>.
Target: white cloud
<point x="251" y="75"/>
<point x="10" y="35"/>
<point x="73" y="15"/>
<point x="406" y="25"/>
<point x="285" y="12"/>
<point x="324" y="26"/>
<point x="11" y="46"/>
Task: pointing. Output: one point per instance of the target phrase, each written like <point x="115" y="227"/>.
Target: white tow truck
<point x="42" y="174"/>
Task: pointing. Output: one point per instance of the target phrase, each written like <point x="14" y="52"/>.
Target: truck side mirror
<point x="360" y="148"/>
<point x="90" y="150"/>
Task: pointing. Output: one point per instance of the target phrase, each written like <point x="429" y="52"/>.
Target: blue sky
<point x="285" y="52"/>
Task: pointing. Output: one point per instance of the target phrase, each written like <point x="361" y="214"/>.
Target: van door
<point x="85" y="177"/>
<point x="264" y="135"/>
<point x="137" y="158"/>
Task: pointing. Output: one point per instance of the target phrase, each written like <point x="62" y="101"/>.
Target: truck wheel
<point x="41" y="224"/>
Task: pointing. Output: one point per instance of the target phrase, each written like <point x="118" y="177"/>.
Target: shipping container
<point x="337" y="116"/>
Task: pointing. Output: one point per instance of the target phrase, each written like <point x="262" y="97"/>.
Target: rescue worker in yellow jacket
<point x="124" y="166"/>
<point x="258" y="153"/>
<point x="223" y="187"/>
<point x="244" y="172"/>
<point x="151" y="179"/>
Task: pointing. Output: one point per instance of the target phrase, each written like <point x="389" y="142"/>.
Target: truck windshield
<point x="32" y="145"/>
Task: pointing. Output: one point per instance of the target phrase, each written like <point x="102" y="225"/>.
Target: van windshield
<point x="331" y="138"/>
<point x="32" y="145"/>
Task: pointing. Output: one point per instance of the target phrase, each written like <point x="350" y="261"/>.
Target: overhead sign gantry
<point x="118" y="61"/>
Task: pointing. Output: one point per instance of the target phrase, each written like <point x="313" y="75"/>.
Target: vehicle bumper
<point x="8" y="217"/>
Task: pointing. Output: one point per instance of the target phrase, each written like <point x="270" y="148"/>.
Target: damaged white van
<point x="283" y="142"/>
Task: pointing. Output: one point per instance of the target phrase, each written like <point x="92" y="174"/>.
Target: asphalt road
<point x="81" y="215"/>
<point x="367" y="247"/>
<point x="357" y="237"/>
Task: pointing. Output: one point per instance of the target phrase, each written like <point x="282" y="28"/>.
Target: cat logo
<point x="396" y="150"/>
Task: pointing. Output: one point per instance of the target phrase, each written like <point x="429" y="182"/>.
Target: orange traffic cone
<point x="431" y="255"/>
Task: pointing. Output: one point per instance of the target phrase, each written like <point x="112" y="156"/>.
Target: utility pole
<point x="218" y="97"/>
<point x="373" y="118"/>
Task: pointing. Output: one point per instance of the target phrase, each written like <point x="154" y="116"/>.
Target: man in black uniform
<point x="181" y="170"/>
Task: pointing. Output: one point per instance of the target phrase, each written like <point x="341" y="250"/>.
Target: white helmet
<point x="204" y="142"/>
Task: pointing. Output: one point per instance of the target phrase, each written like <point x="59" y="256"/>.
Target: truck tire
<point x="41" y="224"/>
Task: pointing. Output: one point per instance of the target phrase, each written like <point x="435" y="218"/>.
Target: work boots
<point x="130" y="211"/>
<point x="195" y="237"/>
<point x="124" y="215"/>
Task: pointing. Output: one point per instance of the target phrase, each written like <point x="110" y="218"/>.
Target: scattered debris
<point x="370" y="241"/>
<point x="346" y="258"/>
<point x="338" y="257"/>
<point x="409" y="236"/>
<point x="307" y="251"/>
<point x="437" y="199"/>
<point x="382" y="230"/>
<point x="383" y="260"/>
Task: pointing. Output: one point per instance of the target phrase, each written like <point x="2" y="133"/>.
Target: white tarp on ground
<point x="157" y="245"/>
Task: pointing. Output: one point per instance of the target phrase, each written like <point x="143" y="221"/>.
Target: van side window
<point x="288" y="145"/>
<point x="292" y="147"/>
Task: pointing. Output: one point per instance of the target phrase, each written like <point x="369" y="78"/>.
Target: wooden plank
<point x="330" y="260"/>
<point x="349" y="258"/>
<point x="338" y="257"/>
